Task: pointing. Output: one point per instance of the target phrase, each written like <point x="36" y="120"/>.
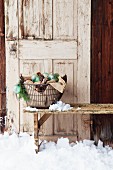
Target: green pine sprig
<point x="23" y="92"/>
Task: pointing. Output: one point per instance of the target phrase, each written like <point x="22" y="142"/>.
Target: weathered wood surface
<point x="102" y="67"/>
<point x="64" y="19"/>
<point x="81" y="109"/>
<point x="83" y="63"/>
<point x="52" y="36"/>
<point x="36" y="128"/>
<point x="102" y="52"/>
<point x="43" y="119"/>
<point x="2" y="62"/>
<point x="11" y="19"/>
<point x="12" y="71"/>
<point x="71" y="138"/>
<point x="83" y="72"/>
<point x="35" y="19"/>
<point x="58" y="49"/>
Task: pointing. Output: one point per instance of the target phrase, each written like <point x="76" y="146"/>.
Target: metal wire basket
<point x="42" y="95"/>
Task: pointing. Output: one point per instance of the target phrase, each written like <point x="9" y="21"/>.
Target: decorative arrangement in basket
<point x="41" y="90"/>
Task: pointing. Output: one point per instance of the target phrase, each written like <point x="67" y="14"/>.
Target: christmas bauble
<point x="45" y="74"/>
<point x="37" y="79"/>
<point x="17" y="89"/>
<point x="33" y="77"/>
<point x="50" y="76"/>
<point x="56" y="75"/>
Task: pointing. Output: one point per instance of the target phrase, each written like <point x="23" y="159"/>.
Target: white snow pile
<point x="18" y="153"/>
<point x="32" y="109"/>
<point x="60" y="106"/>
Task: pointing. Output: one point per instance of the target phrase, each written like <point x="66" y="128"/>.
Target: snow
<point x="32" y="109"/>
<point x="78" y="108"/>
<point x="17" y="152"/>
<point x="60" y="106"/>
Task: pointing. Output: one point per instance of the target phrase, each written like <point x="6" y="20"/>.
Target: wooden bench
<point x="77" y="109"/>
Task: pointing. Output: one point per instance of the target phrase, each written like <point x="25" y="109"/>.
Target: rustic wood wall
<point x="49" y="36"/>
<point x="102" y="45"/>
<point x="2" y="62"/>
<point x="102" y="65"/>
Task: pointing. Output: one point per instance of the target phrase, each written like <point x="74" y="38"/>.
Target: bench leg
<point x="36" y="131"/>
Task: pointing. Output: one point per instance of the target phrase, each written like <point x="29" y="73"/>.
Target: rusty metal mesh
<point x="42" y="95"/>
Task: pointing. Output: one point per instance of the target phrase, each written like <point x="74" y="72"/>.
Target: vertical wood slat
<point x="35" y="19"/>
<point x="12" y="77"/>
<point x="30" y="19"/>
<point x="83" y="73"/>
<point x="11" y="35"/>
<point x="2" y="75"/>
<point x="36" y="130"/>
<point x="48" y="126"/>
<point x="107" y="51"/>
<point x="1" y="17"/>
<point x="2" y="61"/>
<point x="48" y="19"/>
<point x="96" y="51"/>
<point x="11" y="19"/>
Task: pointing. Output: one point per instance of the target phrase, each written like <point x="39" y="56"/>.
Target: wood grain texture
<point x="47" y="49"/>
<point x="81" y="108"/>
<point x="102" y="66"/>
<point x="35" y="19"/>
<point x="53" y="37"/>
<point x="12" y="69"/>
<point x="65" y="124"/>
<point x="83" y="67"/>
<point x="11" y="19"/>
<point x="36" y="130"/>
<point x="48" y="19"/>
<point x="2" y="62"/>
<point x="83" y="73"/>
<point x="64" y="21"/>
<point x="56" y="137"/>
<point x="102" y="62"/>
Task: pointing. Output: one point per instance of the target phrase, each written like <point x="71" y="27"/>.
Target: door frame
<point x="2" y="66"/>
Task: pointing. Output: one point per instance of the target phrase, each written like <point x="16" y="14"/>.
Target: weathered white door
<point x="49" y="36"/>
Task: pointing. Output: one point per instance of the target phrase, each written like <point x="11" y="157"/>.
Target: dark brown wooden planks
<point x="102" y="52"/>
<point x="102" y="66"/>
<point x="96" y="51"/>
<point x="2" y="62"/>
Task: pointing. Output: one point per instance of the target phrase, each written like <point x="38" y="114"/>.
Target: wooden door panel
<point x="65" y="19"/>
<point x="47" y="49"/>
<point x="46" y="19"/>
<point x="64" y="124"/>
<point x="35" y="19"/>
<point x="53" y="36"/>
<point x="68" y="67"/>
<point x="30" y="67"/>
